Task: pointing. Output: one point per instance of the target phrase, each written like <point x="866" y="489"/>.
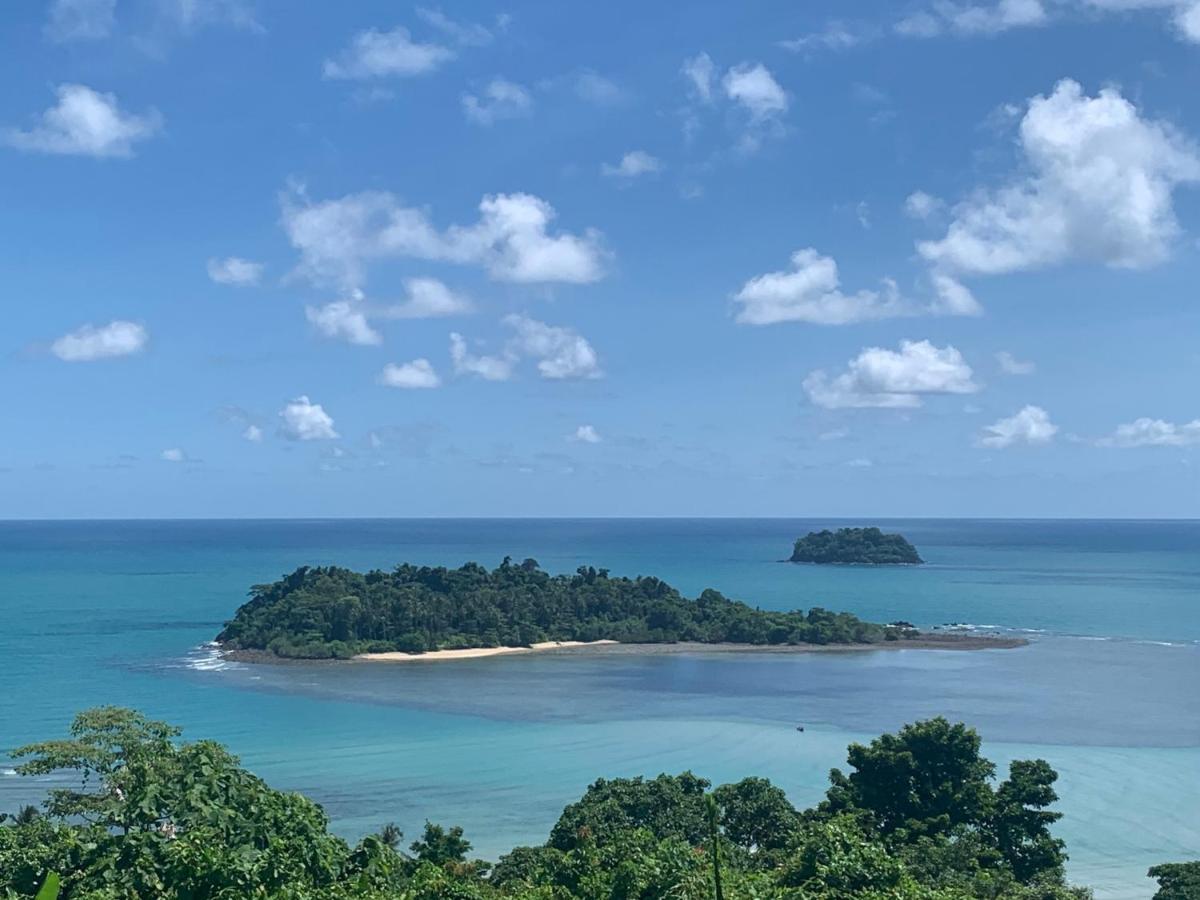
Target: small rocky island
<point x="855" y="546"/>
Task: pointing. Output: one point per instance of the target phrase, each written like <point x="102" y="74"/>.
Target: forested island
<point x="336" y="613"/>
<point x="917" y="815"/>
<point x="857" y="546"/>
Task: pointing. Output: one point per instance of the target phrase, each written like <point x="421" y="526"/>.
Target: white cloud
<point x="835" y="435"/>
<point x="303" y="420"/>
<point x="700" y="72"/>
<point x="1031" y="425"/>
<point x="428" y="298"/>
<point x="891" y="379"/>
<point x="379" y="54"/>
<point x="85" y="123"/>
<point x="235" y="271"/>
<point x="345" y="320"/>
<point x="501" y="99"/>
<point x="562" y="353"/>
<point x="1147" y="432"/>
<point x="416" y="374"/>
<point x="1099" y="189"/>
<point x="1010" y="365"/>
<point x="189" y="15"/>
<point x="469" y="34"/>
<point x="920" y="205"/>
<point x="81" y="20"/>
<point x="586" y="434"/>
<point x="860" y="463"/>
<point x="973" y="18"/>
<point x="755" y="88"/>
<point x="633" y="164"/>
<point x="173" y="454"/>
<point x="338" y="238"/>
<point x="598" y="90"/>
<point x="117" y="338"/>
<point x="810" y="292"/>
<point x="834" y="36"/>
<point x="1185" y="14"/>
<point x="253" y="433"/>
<point x="489" y="368"/>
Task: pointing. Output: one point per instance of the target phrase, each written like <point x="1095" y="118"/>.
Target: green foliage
<point x="155" y="817"/>
<point x="864" y="546"/>
<point x="337" y="613"/>
<point x="1177" y="881"/>
<point x="922" y="781"/>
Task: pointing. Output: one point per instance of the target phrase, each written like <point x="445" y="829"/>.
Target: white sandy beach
<point x="475" y="652"/>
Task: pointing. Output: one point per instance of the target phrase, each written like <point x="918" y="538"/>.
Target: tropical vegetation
<point x="331" y="612"/>
<point x="861" y="546"/>
<point x="916" y="815"/>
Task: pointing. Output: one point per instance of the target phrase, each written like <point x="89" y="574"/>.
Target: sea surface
<point x="1108" y="690"/>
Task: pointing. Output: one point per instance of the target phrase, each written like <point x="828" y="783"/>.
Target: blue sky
<point x="861" y="259"/>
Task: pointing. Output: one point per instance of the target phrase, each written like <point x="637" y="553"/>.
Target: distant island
<point x="336" y="613"/>
<point x="860" y="546"/>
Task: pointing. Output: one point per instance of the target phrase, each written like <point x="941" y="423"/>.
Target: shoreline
<point x="950" y="642"/>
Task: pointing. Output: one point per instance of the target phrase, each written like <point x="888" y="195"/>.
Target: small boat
<point x="799" y="727"/>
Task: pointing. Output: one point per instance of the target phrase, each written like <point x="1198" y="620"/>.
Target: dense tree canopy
<point x="864" y="546"/>
<point x="335" y="612"/>
<point x="154" y="817"/>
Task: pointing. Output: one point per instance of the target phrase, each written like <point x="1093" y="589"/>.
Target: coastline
<point x="475" y="652"/>
<point x="934" y="641"/>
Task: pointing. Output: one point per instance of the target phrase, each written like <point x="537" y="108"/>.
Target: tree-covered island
<point x="330" y="612"/>
<point x="858" y="546"/>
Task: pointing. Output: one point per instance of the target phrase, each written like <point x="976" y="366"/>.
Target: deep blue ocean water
<point x="1108" y="690"/>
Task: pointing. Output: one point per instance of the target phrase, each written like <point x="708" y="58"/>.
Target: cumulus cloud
<point x="1097" y="186"/>
<point x="586" y="434"/>
<point x="173" y="454"/>
<point x="81" y="20"/>
<point x="382" y="54"/>
<point x="836" y="35"/>
<point x="747" y="87"/>
<point x="235" y="271"/>
<point x="633" y="164"/>
<point x="1184" y="14"/>
<point x="303" y="420"/>
<point x="344" y="320"/>
<point x="468" y="34"/>
<point x="594" y="88"/>
<point x="427" y="298"/>
<point x="337" y="239"/>
<point x="501" y="99"/>
<point x="700" y="73"/>
<point x="561" y="353"/>
<point x="416" y="374"/>
<point x="973" y="18"/>
<point x="1010" y="365"/>
<point x="754" y="88"/>
<point x="89" y="343"/>
<point x="1031" y="425"/>
<point x="85" y="122"/>
<point x="811" y="292"/>
<point x="253" y="433"/>
<point x="1147" y="432"/>
<point x="489" y="368"/>
<point x="920" y="205"/>
<point x="893" y="379"/>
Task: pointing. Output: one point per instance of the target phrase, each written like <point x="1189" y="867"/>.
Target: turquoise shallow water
<point x="118" y="613"/>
